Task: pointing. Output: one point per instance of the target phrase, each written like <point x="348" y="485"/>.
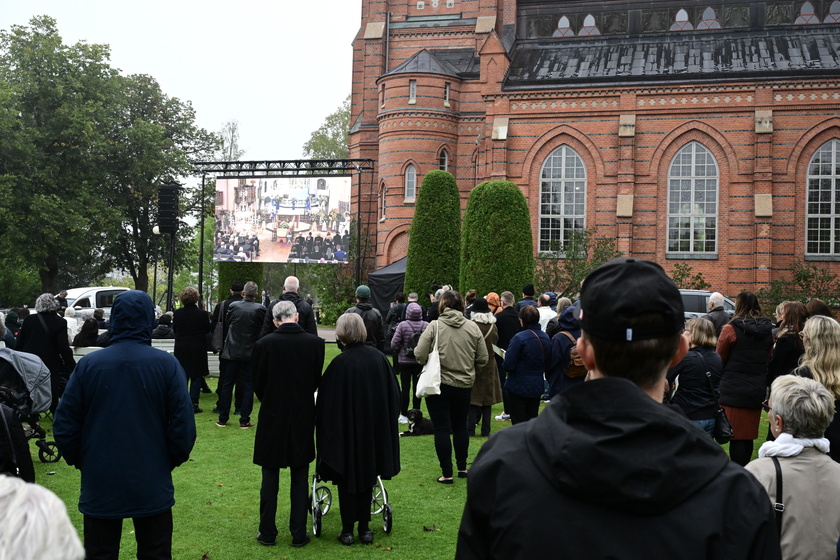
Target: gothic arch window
<point x="562" y="199"/>
<point x="443" y="160"/>
<point x="709" y="20"/>
<point x="410" y="177"/>
<point x="807" y="15"/>
<point x="693" y="201"/>
<point x="589" y="28"/>
<point x="833" y="13"/>
<point x="681" y="22"/>
<point x="822" y="214"/>
<point x="563" y="28"/>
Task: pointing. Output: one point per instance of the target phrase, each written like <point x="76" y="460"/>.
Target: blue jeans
<point x="707" y="426"/>
<point x="226" y="395"/>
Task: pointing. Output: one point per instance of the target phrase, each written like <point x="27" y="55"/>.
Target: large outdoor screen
<point x="283" y="219"/>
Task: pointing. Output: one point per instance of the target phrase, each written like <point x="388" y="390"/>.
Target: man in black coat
<point x="371" y="317"/>
<point x="609" y="463"/>
<point x="306" y="317"/>
<point x="217" y="318"/>
<point x="716" y="313"/>
<point x="287" y="366"/>
<point x="243" y="322"/>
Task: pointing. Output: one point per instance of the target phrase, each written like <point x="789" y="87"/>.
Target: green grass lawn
<point x="217" y="500"/>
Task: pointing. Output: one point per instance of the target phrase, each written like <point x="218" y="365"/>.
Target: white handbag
<point x="429" y="381"/>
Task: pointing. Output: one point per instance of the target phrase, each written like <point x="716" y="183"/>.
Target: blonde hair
<point x="349" y="329"/>
<point x="702" y="332"/>
<point x="822" y="353"/>
<point x="806" y="407"/>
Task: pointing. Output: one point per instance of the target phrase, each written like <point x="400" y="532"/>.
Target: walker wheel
<point x="48" y="452"/>
<point x="322" y="500"/>
<point x="387" y="518"/>
<point x="316" y="522"/>
<point x="379" y="499"/>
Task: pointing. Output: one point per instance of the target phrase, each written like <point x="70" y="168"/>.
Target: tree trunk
<point x="49" y="276"/>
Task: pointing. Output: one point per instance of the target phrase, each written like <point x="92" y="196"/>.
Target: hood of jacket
<point x="413" y="312"/>
<point x="364" y="305"/>
<point x="754" y="328"/>
<point x="452" y="318"/>
<point x="132" y="317"/>
<point x="608" y="442"/>
<point x="568" y="321"/>
<point x="294" y="297"/>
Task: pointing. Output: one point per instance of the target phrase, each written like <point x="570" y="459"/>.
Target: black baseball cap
<point x="622" y="289"/>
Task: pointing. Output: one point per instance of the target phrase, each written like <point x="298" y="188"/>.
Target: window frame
<point x="833" y="218"/>
<point x="693" y="216"/>
<point x="413" y="170"/>
<point x="568" y="180"/>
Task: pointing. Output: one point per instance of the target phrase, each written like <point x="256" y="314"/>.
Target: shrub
<point x="806" y="282"/>
<point x="435" y="236"/>
<point x="497" y="248"/>
<point x="685" y="280"/>
<point x="230" y="272"/>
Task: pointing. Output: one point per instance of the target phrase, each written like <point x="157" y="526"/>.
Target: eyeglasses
<point x="766" y="406"/>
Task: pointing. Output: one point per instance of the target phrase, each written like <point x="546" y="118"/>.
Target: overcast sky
<point x="279" y="67"/>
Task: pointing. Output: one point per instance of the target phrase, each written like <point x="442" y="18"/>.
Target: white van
<point x="94" y="297"/>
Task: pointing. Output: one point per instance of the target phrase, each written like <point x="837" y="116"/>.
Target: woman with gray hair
<point x="44" y="333"/>
<point x="356" y="425"/>
<point x="796" y="471"/>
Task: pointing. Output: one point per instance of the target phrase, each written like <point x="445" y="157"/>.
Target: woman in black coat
<point x="356" y="425"/>
<point x="191" y="326"/>
<point x="88" y="334"/>
<point x="44" y="334"/>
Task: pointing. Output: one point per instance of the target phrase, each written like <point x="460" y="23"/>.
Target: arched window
<point x="410" y="183"/>
<point x="443" y="161"/>
<point x="563" y="28"/>
<point x="807" y="15"/>
<point x="709" y="20"/>
<point x="382" y="202"/>
<point x="681" y="22"/>
<point x="562" y="199"/>
<point x="833" y="13"/>
<point x="589" y="28"/>
<point x="693" y="201"/>
<point x="823" y="211"/>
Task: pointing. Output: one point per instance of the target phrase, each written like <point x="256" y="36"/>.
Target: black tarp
<point x="385" y="283"/>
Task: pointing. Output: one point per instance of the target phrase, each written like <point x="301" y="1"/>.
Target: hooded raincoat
<point x="126" y="419"/>
<point x="607" y="472"/>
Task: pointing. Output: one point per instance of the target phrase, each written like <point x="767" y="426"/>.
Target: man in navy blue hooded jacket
<point x="126" y="420"/>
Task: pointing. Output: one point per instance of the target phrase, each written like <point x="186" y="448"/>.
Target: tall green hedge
<point x="497" y="250"/>
<point x="435" y="237"/>
<point x="230" y="272"/>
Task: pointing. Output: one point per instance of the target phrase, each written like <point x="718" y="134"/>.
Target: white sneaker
<point x="503" y="417"/>
<point x="403" y="419"/>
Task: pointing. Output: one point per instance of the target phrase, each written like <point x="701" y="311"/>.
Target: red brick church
<point x="703" y="134"/>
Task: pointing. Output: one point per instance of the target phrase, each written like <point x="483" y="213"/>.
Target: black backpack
<point x="412" y="343"/>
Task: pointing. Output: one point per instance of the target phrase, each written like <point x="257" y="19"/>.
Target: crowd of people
<point x="624" y="443"/>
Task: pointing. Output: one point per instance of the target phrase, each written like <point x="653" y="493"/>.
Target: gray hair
<point x="806" y="407"/>
<point x="413" y="295"/>
<point x="251" y="290"/>
<point x="507" y="299"/>
<point x="46" y="303"/>
<point x="562" y="303"/>
<point x="34" y="523"/>
<point x="70" y="312"/>
<point x="283" y="310"/>
<point x="350" y="329"/>
<point x="292" y="284"/>
<point x="716" y="299"/>
<point x="2" y="325"/>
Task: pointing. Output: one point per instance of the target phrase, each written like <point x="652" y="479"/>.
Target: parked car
<point x="696" y="303"/>
<point x="94" y="297"/>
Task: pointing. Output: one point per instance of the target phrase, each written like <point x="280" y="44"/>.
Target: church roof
<point x="458" y="63"/>
<point x="673" y="57"/>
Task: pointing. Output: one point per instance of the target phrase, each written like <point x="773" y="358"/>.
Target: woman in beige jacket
<point x="800" y="410"/>
<point x="462" y="352"/>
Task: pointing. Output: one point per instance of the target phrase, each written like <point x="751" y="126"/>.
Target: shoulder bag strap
<point x="570" y="336"/>
<point x="708" y="373"/>
<point x="437" y="331"/>
<point x="778" y="506"/>
<point x="540" y="341"/>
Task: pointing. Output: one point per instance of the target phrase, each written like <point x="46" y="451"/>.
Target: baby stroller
<point x="25" y="388"/>
<point x="321" y="501"/>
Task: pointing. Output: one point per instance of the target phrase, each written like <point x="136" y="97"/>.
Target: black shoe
<point x="217" y="410"/>
<point x="265" y="541"/>
<point x="302" y="541"/>
<point x="197" y="410"/>
<point x="346" y="538"/>
<point x="366" y="537"/>
<point x="206" y="389"/>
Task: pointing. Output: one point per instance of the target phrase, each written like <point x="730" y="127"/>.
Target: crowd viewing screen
<point x="284" y="219"/>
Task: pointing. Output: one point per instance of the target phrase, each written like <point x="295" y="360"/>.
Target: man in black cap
<point x="370" y="316"/>
<point x="527" y="298"/>
<point x="606" y="457"/>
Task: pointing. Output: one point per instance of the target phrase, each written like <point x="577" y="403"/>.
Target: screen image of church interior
<point x="294" y="220"/>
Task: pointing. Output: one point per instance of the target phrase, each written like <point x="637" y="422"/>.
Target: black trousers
<point x="298" y="498"/>
<point x="522" y="409"/>
<point x="409" y="374"/>
<point x="153" y="534"/>
<point x="353" y="508"/>
<point x="448" y="412"/>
